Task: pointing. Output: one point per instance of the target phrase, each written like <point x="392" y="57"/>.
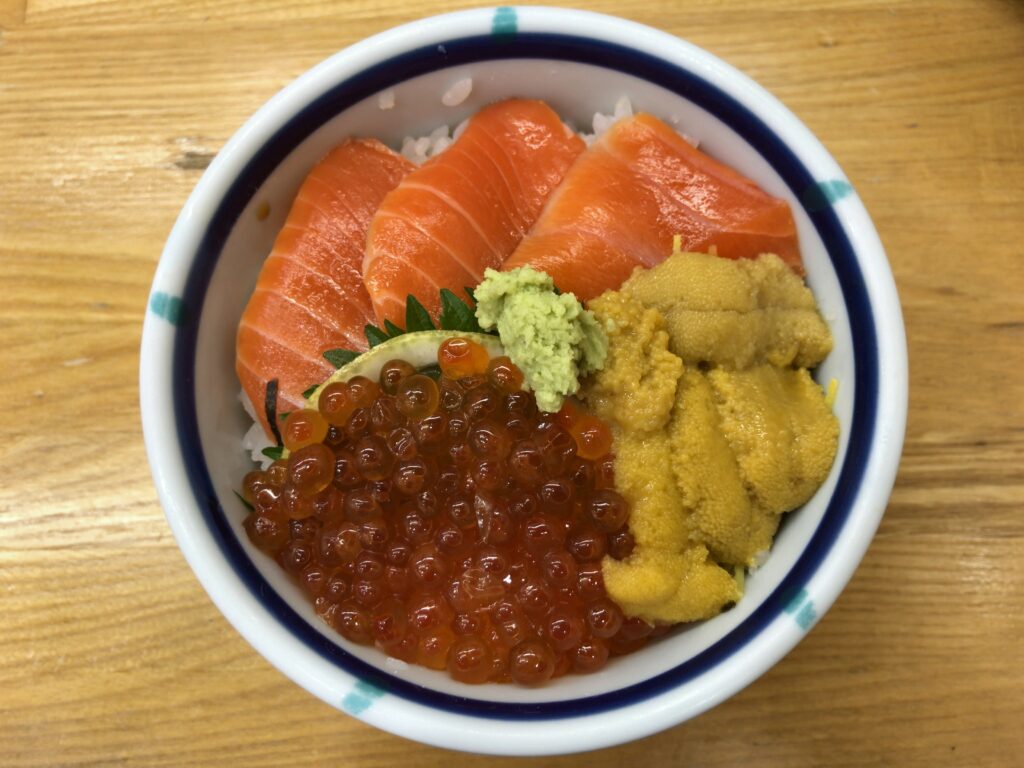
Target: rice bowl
<point x="195" y="466"/>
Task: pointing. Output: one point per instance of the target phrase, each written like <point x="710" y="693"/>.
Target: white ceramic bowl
<point x="580" y="63"/>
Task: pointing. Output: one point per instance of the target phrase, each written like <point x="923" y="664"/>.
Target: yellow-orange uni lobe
<point x="661" y="580"/>
<point x="637" y="385"/>
<point x="707" y="456"/>
<point x="734" y="314"/>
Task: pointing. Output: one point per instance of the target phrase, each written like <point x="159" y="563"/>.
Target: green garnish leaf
<point x="241" y="498"/>
<point x="273" y="452"/>
<point x="339" y="357"/>
<point x="456" y="314"/>
<point x="416" y="316"/>
<point x="283" y="416"/>
<point x="375" y="335"/>
<point x="270" y="408"/>
<point x="471" y="294"/>
<point x="433" y="371"/>
<point x="309" y="392"/>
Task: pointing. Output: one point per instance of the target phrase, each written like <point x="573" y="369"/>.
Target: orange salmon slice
<point x="309" y="296"/>
<point x="467" y="208"/>
<point x="638" y="185"/>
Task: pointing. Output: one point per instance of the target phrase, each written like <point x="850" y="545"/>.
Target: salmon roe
<point x="458" y="358"/>
<point x="451" y="524"/>
<point x="302" y="428"/>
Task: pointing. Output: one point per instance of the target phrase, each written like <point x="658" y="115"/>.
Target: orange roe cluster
<point x="450" y="523"/>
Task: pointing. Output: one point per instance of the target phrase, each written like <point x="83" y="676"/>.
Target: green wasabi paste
<point x="550" y="336"/>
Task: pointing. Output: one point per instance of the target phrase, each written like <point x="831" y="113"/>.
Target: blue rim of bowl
<point x="561" y="47"/>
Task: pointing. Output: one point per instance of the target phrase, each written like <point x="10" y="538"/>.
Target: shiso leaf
<point x="337" y="358"/>
<point x="416" y="316"/>
<point x="270" y="408"/>
<point x="375" y="335"/>
<point x="456" y="314"/>
<point x="241" y="498"/>
<point x="273" y="452"/>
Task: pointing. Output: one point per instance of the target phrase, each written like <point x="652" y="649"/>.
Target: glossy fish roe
<point x="452" y="524"/>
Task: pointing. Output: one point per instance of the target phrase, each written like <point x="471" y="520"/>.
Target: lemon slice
<point x="418" y="348"/>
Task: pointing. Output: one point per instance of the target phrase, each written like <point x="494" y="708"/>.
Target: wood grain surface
<point x="110" y="651"/>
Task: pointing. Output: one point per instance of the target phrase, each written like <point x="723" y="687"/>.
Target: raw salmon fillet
<point x="466" y="209"/>
<point x="624" y="199"/>
<point x="309" y="296"/>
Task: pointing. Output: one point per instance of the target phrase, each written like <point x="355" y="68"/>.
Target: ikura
<point x="504" y="376"/>
<point x="303" y="428"/>
<point x="452" y="524"/>
<point x="592" y="436"/>
<point x="461" y="357"/>
<point x="334" y="404"/>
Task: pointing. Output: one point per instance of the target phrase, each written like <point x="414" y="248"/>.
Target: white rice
<point x="419" y="149"/>
<point x="255" y="439"/>
<point x="602" y="122"/>
<point x="458" y="93"/>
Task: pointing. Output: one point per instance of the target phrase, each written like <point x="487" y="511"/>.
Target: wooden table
<point x="111" y="653"/>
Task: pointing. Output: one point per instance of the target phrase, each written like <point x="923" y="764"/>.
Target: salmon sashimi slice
<point x="626" y="197"/>
<point x="466" y="209"/>
<point x="310" y="296"/>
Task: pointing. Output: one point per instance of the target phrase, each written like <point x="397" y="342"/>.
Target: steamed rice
<point x="458" y="93"/>
<point x="255" y="439"/>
